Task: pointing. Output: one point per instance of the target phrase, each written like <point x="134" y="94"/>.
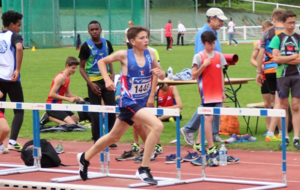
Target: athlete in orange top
<point x="207" y="68"/>
<point x="60" y="91"/>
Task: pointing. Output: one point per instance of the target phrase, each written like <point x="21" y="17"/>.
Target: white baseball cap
<point x="216" y="12"/>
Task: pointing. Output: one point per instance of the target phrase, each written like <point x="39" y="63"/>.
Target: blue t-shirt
<point x="198" y="43"/>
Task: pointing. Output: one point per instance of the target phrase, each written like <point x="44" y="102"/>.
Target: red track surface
<point x="254" y="166"/>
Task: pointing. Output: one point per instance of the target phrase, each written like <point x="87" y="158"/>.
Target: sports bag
<point x="229" y="124"/>
<point x="49" y="155"/>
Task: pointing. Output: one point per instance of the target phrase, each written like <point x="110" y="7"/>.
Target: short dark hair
<point x="72" y="61"/>
<point x="94" y="22"/>
<point x="208" y="36"/>
<point x="11" y="17"/>
<point x="169" y="21"/>
<point x="277" y="14"/>
<point x="287" y="14"/>
<point x="133" y="31"/>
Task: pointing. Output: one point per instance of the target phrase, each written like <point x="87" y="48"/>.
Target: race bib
<point x="140" y="87"/>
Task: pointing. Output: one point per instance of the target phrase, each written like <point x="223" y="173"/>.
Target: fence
<point x="278" y="5"/>
<point x="244" y="34"/>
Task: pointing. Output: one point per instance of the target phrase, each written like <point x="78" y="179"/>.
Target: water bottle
<point x="170" y="72"/>
<point x="223" y="155"/>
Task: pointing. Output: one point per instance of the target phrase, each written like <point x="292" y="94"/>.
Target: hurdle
<point x="104" y="155"/>
<point x="239" y="112"/>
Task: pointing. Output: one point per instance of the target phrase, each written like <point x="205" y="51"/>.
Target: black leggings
<point x="109" y="99"/>
<point x="15" y="93"/>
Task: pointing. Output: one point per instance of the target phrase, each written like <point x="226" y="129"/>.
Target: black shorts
<point x="264" y="88"/>
<point x="287" y="84"/>
<point x="271" y="81"/>
<point x="127" y="112"/>
<point x="210" y="105"/>
<point x="61" y="115"/>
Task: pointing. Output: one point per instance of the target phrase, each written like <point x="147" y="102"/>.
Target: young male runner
<point x="60" y="90"/>
<point x="4" y="130"/>
<point x="11" y="55"/>
<point x="138" y="66"/>
<point x="286" y="53"/>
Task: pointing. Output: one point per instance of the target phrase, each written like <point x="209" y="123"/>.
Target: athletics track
<point x="254" y="165"/>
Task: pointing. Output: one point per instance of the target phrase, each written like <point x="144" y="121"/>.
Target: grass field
<point x="39" y="68"/>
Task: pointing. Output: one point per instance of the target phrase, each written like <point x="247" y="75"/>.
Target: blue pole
<point x="202" y="145"/>
<point x="283" y="150"/>
<point x="106" y="127"/>
<point x="178" y="146"/>
<point x="101" y="134"/>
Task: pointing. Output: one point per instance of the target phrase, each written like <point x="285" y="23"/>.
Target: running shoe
<point x="172" y="159"/>
<point x="140" y="158"/>
<point x="113" y="146"/>
<point x="83" y="166"/>
<point x="213" y="152"/>
<point x="199" y="161"/>
<point x="16" y="147"/>
<point x="232" y="160"/>
<point x="135" y="148"/>
<point x="273" y="138"/>
<point x="171" y="119"/>
<point x="127" y="155"/>
<point x="44" y="119"/>
<point x="158" y="149"/>
<point x="248" y="138"/>
<point x="287" y="142"/>
<point x="188" y="137"/>
<point x="145" y="175"/>
<point x="217" y="139"/>
<point x="85" y="123"/>
<point x="191" y="156"/>
<point x="296" y="143"/>
<point x="233" y="139"/>
<point x="4" y="151"/>
<point x="197" y="147"/>
<point x="59" y="149"/>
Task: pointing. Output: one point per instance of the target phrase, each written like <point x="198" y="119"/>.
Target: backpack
<point x="84" y="115"/>
<point x="229" y="124"/>
<point x="49" y="155"/>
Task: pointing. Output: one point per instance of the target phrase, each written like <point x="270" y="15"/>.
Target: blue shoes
<point x="191" y="156"/>
<point x="172" y="159"/>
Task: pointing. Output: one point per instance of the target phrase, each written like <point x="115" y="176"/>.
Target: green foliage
<point x="39" y="68"/>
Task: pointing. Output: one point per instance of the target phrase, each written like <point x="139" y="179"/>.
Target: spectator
<point x="91" y="52"/>
<point x="126" y="41"/>
<point x="180" y="35"/>
<point x="168" y="34"/>
<point x="215" y="20"/>
<point x="231" y="30"/>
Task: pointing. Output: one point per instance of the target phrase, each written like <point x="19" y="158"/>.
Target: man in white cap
<point x="215" y="20"/>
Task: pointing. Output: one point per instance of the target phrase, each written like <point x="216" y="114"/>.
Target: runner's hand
<point x="259" y="79"/>
<point x="15" y="76"/>
<point x="110" y="85"/>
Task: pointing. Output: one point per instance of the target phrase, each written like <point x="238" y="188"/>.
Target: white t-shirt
<point x="127" y="41"/>
<point x="181" y="28"/>
<point x="197" y="59"/>
<point x="231" y="27"/>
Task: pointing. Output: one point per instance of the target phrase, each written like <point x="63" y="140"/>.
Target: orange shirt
<point x="166" y="100"/>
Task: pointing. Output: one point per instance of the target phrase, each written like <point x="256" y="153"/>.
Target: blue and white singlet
<point x="136" y="85"/>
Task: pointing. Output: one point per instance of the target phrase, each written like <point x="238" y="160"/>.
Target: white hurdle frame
<point x="104" y="155"/>
<point x="239" y="112"/>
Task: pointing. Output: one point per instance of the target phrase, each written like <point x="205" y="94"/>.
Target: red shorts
<point x="2" y="115"/>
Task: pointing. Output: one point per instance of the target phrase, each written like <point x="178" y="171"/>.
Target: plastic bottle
<point x="223" y="156"/>
<point x="170" y="72"/>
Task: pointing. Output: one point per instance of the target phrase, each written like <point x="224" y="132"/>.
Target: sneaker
<point x="217" y="139"/>
<point x="172" y="159"/>
<point x="248" y="138"/>
<point x="170" y="49"/>
<point x="188" y="137"/>
<point x="127" y="155"/>
<point x="113" y="146"/>
<point x="213" y="152"/>
<point x="296" y="143"/>
<point x="140" y="158"/>
<point x="197" y="147"/>
<point x="198" y="161"/>
<point x="83" y="166"/>
<point x="4" y="151"/>
<point x="145" y="175"/>
<point x="16" y="147"/>
<point x="59" y="149"/>
<point x="44" y="119"/>
<point x="191" y="156"/>
<point x="233" y="139"/>
<point x="171" y="119"/>
<point x="85" y="123"/>
<point x="273" y="138"/>
<point x="287" y="142"/>
<point x="265" y="134"/>
<point x="236" y="44"/>
<point x="158" y="149"/>
<point x="232" y="160"/>
<point x="135" y="148"/>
